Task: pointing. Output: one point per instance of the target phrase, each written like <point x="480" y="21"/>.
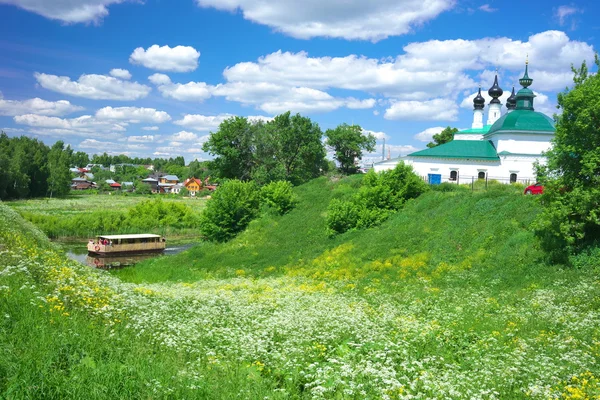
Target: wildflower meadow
<point x="341" y="322"/>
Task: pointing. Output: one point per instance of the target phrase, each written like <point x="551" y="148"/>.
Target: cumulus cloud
<point x="202" y="122"/>
<point x="120" y="73"/>
<point x="348" y="19"/>
<point x="184" y="136"/>
<point x="85" y="125"/>
<point x="142" y="138"/>
<point x="36" y="106"/>
<point x="191" y="91"/>
<point x="67" y="11"/>
<point x="165" y="58"/>
<point x="377" y="135"/>
<point x="353" y="103"/>
<point x="150" y="128"/>
<point x="98" y="87"/>
<point x="427" y="134"/>
<point x="132" y="114"/>
<point x="430" y="110"/>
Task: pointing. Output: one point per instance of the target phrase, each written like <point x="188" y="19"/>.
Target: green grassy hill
<point x="449" y="298"/>
<point x="483" y="229"/>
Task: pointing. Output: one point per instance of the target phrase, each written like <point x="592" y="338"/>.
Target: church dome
<point x="495" y="91"/>
<point x="511" y="102"/>
<point x="479" y="101"/>
<point x="523" y="120"/>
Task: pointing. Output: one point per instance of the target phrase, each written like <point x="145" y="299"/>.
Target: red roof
<point x="115" y="184"/>
<point x="198" y="181"/>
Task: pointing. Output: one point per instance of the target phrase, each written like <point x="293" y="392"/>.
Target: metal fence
<point x="475" y="182"/>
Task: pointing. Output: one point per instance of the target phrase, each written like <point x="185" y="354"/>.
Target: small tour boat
<point x="106" y="245"/>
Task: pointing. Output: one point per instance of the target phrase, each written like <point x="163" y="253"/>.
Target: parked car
<point x="538" y="188"/>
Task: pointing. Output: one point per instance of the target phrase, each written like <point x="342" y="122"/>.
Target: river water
<point x="80" y="253"/>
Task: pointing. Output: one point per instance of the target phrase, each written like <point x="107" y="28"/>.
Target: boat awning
<point x="137" y="236"/>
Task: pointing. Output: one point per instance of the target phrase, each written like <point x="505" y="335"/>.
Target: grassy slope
<point x="452" y="284"/>
<point x="482" y="229"/>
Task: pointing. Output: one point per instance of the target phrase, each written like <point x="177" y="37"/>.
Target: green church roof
<point x="523" y="120"/>
<point x="472" y="149"/>
<point x="472" y="131"/>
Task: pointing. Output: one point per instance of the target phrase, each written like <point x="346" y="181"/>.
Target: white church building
<point x="504" y="149"/>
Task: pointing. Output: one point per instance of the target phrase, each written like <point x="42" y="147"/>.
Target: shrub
<point x="230" y="210"/>
<point x="380" y="195"/>
<point x="279" y="196"/>
<point x="342" y="216"/>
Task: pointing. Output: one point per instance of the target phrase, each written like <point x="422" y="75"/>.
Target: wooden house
<point x="193" y="185"/>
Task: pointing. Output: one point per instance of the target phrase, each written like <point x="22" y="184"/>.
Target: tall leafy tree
<point x="571" y="216"/>
<point x="297" y="145"/>
<point x="445" y="136"/>
<point x="232" y="145"/>
<point x="59" y="179"/>
<point x="348" y="143"/>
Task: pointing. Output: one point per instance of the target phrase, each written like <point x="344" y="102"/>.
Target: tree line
<point x="30" y="168"/>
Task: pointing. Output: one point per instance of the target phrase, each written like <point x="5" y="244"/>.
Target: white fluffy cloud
<point x="99" y="87"/>
<point x="36" y="106"/>
<point x="202" y="122"/>
<point x="120" y="73"/>
<point x="67" y="11"/>
<point x="85" y="125"/>
<point x="427" y="134"/>
<point x="348" y="19"/>
<point x="107" y="122"/>
<point x="165" y="58"/>
<point x="142" y="138"/>
<point x="431" y="110"/>
<point x="377" y="135"/>
<point x="191" y="91"/>
<point x="150" y="128"/>
<point x="132" y="114"/>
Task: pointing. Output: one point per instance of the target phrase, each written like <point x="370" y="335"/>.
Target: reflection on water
<point x="83" y="257"/>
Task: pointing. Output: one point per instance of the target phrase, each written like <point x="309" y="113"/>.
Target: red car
<point x="534" y="189"/>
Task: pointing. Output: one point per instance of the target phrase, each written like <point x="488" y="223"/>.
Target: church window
<point x="481" y="175"/>
<point x="453" y="175"/>
<point x="513" y="178"/>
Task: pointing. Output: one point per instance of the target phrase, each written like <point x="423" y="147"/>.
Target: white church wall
<point x="521" y="143"/>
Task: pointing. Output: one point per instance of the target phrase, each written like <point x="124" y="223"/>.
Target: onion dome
<point x="526" y="81"/>
<point x="511" y="102"/>
<point x="495" y="91"/>
<point x="479" y="101"/>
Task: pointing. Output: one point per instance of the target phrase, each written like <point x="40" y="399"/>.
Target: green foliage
<point x="183" y="192"/>
<point x="229" y="211"/>
<point x="287" y="148"/>
<point x="571" y="199"/>
<point x="59" y="179"/>
<point x="348" y="142"/>
<point x="445" y="136"/>
<point x="381" y="194"/>
<point x="279" y="196"/>
<point x="88" y="216"/>
<point x="142" y="188"/>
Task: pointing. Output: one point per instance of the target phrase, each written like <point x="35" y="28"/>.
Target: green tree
<point x="297" y="145"/>
<point x="571" y="199"/>
<point x="348" y="142"/>
<point x="230" y="209"/>
<point x="445" y="136"/>
<point x="232" y="145"/>
<point x="59" y="179"/>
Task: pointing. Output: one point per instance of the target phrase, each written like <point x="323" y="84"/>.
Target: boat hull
<point x="125" y="249"/>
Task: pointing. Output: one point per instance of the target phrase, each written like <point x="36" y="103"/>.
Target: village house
<point x="193" y="185"/>
<point x="153" y="183"/>
<point x="166" y="183"/>
<point x="81" y="184"/>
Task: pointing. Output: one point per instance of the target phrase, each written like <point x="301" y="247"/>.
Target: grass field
<point x="82" y="216"/>
<point x="450" y="298"/>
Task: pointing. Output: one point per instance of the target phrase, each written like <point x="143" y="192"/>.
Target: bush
<point x="381" y="194"/>
<point x="230" y="210"/>
<point x="279" y="196"/>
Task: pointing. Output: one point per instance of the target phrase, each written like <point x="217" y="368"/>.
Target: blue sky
<point x="154" y="77"/>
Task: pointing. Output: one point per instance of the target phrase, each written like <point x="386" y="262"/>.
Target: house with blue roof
<point x="504" y="149"/>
